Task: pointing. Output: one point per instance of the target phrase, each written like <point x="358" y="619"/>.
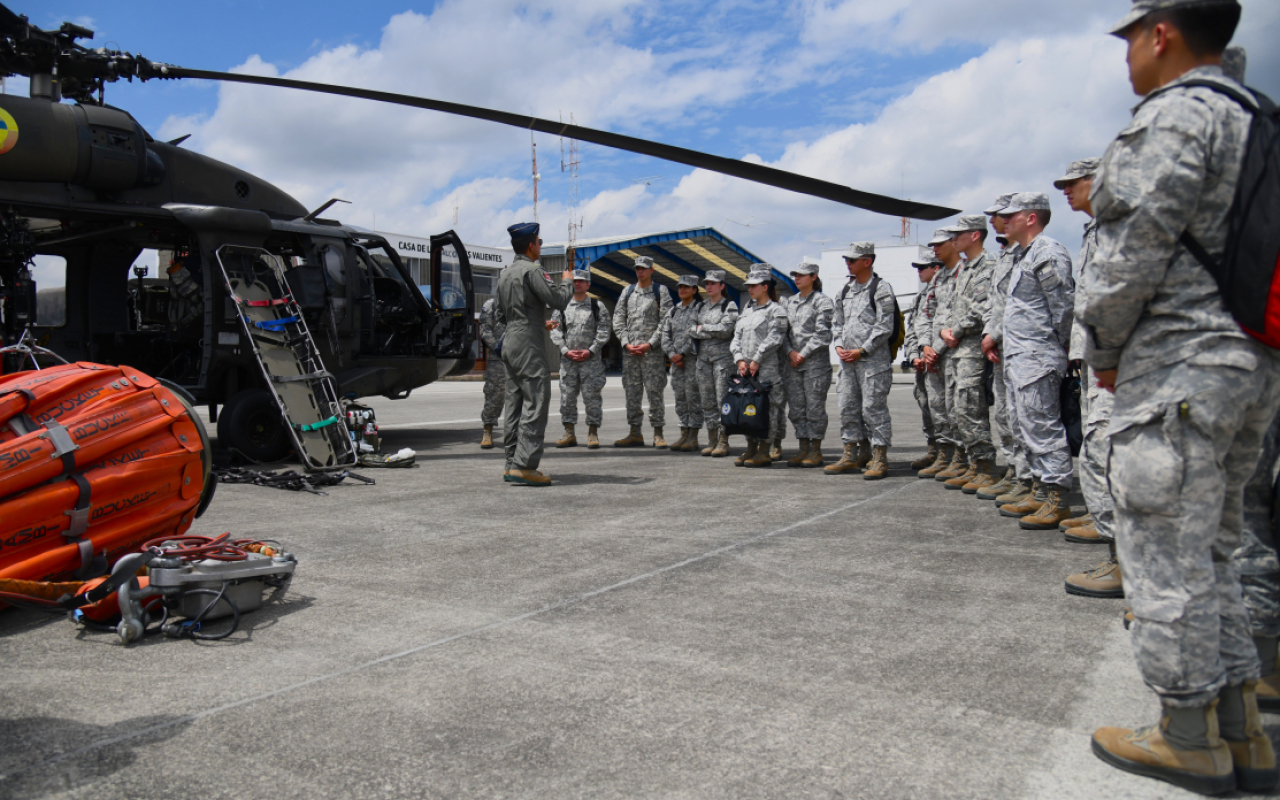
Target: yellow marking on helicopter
<point x="8" y="132"/>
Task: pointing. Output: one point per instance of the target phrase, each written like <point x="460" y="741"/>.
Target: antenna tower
<point x="571" y="166"/>
<point x="536" y="176"/>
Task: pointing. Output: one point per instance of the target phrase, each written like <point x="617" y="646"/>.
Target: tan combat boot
<point x="1076" y="522"/>
<point x="996" y="489"/>
<point x="678" y="445"/>
<point x="761" y="458"/>
<point x="633" y="439"/>
<point x="527" y="477"/>
<point x="814" y="459"/>
<point x="775" y="450"/>
<point x="862" y="455"/>
<point x="486" y="440"/>
<point x="1085" y="534"/>
<point x="926" y="459"/>
<point x="1103" y="580"/>
<point x="1240" y="725"/>
<point x="959" y="481"/>
<point x="691" y="444"/>
<point x="845" y="464"/>
<point x="570" y="439"/>
<point x="713" y="435"/>
<point x="983" y="476"/>
<point x="722" y="445"/>
<point x="1020" y="500"/>
<point x="798" y="459"/>
<point x="945" y="453"/>
<point x="879" y="464"/>
<point x="593" y="437"/>
<point x="959" y="465"/>
<point x="658" y="440"/>
<point x="1047" y="516"/>
<point x="1269" y="687"/>
<point x="747" y="454"/>
<point x="1184" y="749"/>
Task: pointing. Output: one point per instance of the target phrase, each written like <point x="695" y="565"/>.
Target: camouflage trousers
<point x="645" y="375"/>
<point x="1014" y="455"/>
<point x="1184" y="440"/>
<point x="714" y="369"/>
<point x="972" y="413"/>
<point x="771" y="373"/>
<point x="587" y="378"/>
<point x="922" y="399"/>
<point x="495" y="390"/>
<point x="936" y="386"/>
<point x="684" y="384"/>
<point x="1096" y="413"/>
<point x="862" y="392"/>
<point x="1256" y="558"/>
<point x="807" y="390"/>
<point x="1035" y="415"/>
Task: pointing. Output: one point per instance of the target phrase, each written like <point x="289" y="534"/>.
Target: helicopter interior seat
<point x="394" y="304"/>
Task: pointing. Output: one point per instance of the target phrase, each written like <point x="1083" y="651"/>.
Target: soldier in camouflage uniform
<point x="761" y="331"/>
<point x="962" y="334"/>
<point x="1259" y="565"/>
<point x="1194" y="397"/>
<point x="495" y="374"/>
<point x="941" y="382"/>
<point x="1037" y="321"/>
<point x="581" y="332"/>
<point x="864" y="321"/>
<point x="716" y="322"/>
<point x="927" y="266"/>
<point x="637" y="321"/>
<point x="807" y="371"/>
<point x="1010" y="488"/>
<point x="682" y="349"/>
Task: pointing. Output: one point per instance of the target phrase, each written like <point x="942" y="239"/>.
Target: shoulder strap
<point x="875" y="284"/>
<point x="595" y="310"/>
<point x="844" y="290"/>
<point x="1253" y="102"/>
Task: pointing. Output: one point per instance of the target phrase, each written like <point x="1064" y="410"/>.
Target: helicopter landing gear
<point x="251" y="423"/>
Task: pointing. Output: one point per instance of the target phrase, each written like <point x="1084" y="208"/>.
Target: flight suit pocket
<point x="1146" y="465"/>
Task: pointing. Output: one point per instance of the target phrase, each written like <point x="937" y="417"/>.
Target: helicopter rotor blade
<point x="757" y="173"/>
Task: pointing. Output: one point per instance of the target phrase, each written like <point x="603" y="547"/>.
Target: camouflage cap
<point x="714" y="276"/>
<point x="925" y="258"/>
<point x="805" y="268"/>
<point x="760" y="273"/>
<point x="581" y="275"/>
<point x="1026" y="201"/>
<point x="688" y="280"/>
<point x="1141" y="8"/>
<point x="1084" y="168"/>
<point x="968" y="222"/>
<point x="1235" y="60"/>
<point x="861" y="250"/>
<point x="941" y="236"/>
<point x="644" y="262"/>
<point x="1001" y="202"/>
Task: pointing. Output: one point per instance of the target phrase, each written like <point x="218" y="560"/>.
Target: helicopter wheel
<point x="251" y="423"/>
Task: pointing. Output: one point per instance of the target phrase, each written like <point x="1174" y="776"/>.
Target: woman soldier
<point x="807" y="371"/>
<point x="716" y="322"/>
<point x="762" y="329"/>
<point x="682" y="350"/>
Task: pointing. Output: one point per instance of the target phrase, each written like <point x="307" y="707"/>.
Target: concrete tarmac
<point x="654" y="625"/>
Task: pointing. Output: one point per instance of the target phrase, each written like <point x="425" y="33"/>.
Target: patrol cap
<point x="805" y="268"/>
<point x="581" y="275"/>
<point x="1141" y="8"/>
<point x="1026" y="201"/>
<point x="968" y="222"/>
<point x="522" y="233"/>
<point x="1083" y="168"/>
<point x="688" y="280"/>
<point x="925" y="258"/>
<point x="941" y="236"/>
<point x="1001" y="202"/>
<point x="860" y="250"/>
<point x="713" y="276"/>
<point x="1235" y="60"/>
<point x="643" y="262"/>
<point x="760" y="273"/>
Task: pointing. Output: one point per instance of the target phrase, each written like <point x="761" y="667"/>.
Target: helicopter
<point x="83" y="182"/>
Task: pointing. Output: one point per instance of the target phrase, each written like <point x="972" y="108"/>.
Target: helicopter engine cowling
<point x="96" y="147"/>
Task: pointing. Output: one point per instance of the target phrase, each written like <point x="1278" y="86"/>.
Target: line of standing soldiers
<point x="699" y="342"/>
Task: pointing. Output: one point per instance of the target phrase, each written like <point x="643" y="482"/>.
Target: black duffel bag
<point x="745" y="409"/>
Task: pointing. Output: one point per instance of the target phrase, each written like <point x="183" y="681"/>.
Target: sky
<point x="949" y="102"/>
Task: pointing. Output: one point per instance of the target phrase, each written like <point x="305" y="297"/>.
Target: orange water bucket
<point x="94" y="461"/>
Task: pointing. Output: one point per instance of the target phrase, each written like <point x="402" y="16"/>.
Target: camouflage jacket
<point x="1149" y="303"/>
<point x="491" y="330"/>
<point x="945" y="289"/>
<point x="761" y="330"/>
<point x="809" y="320"/>
<point x="921" y="320"/>
<point x="970" y="299"/>
<point x="583" y="330"/>
<point x="857" y="324"/>
<point x="677" y="328"/>
<point x="1038" y="309"/>
<point x="1087" y="249"/>
<point x="715" y="325"/>
<point x="637" y="318"/>
<point x="993" y="324"/>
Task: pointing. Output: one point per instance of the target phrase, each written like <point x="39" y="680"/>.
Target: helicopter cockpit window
<point x="50" y="275"/>
<point x="452" y="293"/>
<point x="335" y="264"/>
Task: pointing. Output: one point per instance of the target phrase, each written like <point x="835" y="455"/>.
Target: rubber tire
<point x="251" y="423"/>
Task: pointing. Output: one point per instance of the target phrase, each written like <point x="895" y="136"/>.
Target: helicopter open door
<point x="454" y="298"/>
